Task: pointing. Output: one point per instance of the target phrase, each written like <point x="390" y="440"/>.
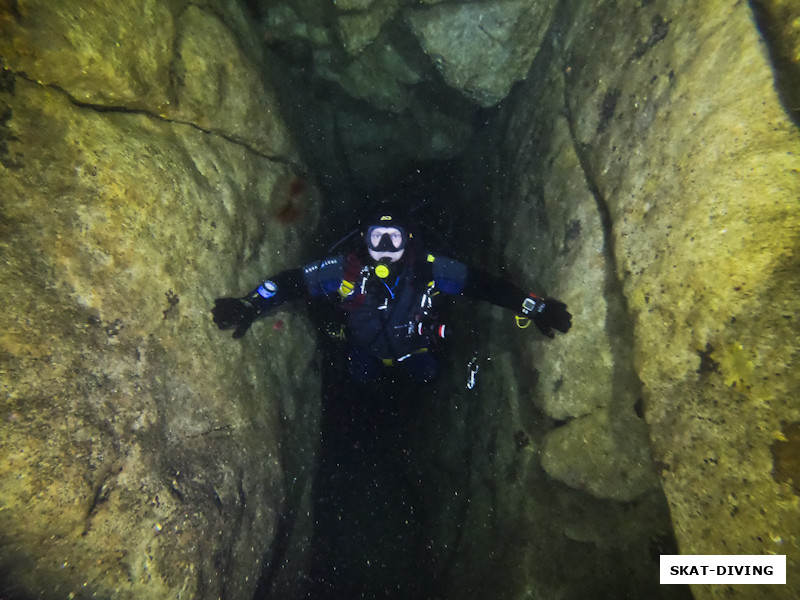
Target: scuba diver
<point x="387" y="290"/>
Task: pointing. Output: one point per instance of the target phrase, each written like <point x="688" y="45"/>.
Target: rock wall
<point x="403" y="82"/>
<point x="646" y="173"/>
<point x="144" y="171"/>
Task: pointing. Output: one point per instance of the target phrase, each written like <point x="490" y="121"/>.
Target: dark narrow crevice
<point x="619" y="321"/>
<point x="281" y="545"/>
<point x="627" y="388"/>
<point x="371" y="536"/>
<point x="294" y="481"/>
<point x="772" y="19"/>
<point x="581" y="152"/>
<point x="374" y="535"/>
<point x="455" y="546"/>
<point x="368" y="538"/>
<point x="628" y="397"/>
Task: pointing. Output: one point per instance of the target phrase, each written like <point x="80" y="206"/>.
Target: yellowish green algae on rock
<point x="143" y="453"/>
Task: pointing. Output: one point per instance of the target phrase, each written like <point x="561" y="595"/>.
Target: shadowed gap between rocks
<point x="618" y="317"/>
<point x="773" y="25"/>
<point x="369" y="539"/>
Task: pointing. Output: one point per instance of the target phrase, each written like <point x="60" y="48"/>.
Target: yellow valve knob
<point x="382" y="271"/>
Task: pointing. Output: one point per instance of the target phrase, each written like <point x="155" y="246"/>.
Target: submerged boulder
<point x="142" y="452"/>
<point x="482" y="48"/>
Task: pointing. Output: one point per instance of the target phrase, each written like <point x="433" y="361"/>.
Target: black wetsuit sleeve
<point x="315" y="279"/>
<point x="284" y="287"/>
<point x="484" y="286"/>
<point x="323" y="277"/>
<point x="547" y="314"/>
<point x="454" y="277"/>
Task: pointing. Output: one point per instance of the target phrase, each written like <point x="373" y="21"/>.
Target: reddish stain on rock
<point x="294" y="205"/>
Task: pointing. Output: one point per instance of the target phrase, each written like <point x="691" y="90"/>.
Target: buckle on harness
<point x="391" y="362"/>
<point x="472" y="372"/>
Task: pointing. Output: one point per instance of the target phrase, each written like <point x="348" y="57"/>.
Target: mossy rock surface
<point x="143" y="453"/>
<point x="648" y="176"/>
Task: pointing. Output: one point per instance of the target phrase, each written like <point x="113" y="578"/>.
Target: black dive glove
<point x="241" y="312"/>
<point x="547" y="314"/>
<point x="235" y="312"/>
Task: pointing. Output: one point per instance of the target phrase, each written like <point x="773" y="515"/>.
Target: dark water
<point x="369" y="540"/>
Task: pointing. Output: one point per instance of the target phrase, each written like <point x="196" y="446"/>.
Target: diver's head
<point x="386" y="238"/>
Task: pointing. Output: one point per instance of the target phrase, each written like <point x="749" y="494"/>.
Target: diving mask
<point x="386" y="242"/>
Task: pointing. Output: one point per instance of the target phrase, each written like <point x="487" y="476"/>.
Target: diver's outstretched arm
<point x="315" y="279"/>
<point x="241" y="312"/>
<point x="454" y="277"/>
<point x="546" y="313"/>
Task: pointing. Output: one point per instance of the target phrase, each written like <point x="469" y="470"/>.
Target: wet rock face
<point x="698" y="170"/>
<point x="643" y="170"/>
<point x="662" y="135"/>
<point x="145" y="171"/>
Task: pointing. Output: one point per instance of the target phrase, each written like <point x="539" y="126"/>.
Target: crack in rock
<point x="104" y="108"/>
